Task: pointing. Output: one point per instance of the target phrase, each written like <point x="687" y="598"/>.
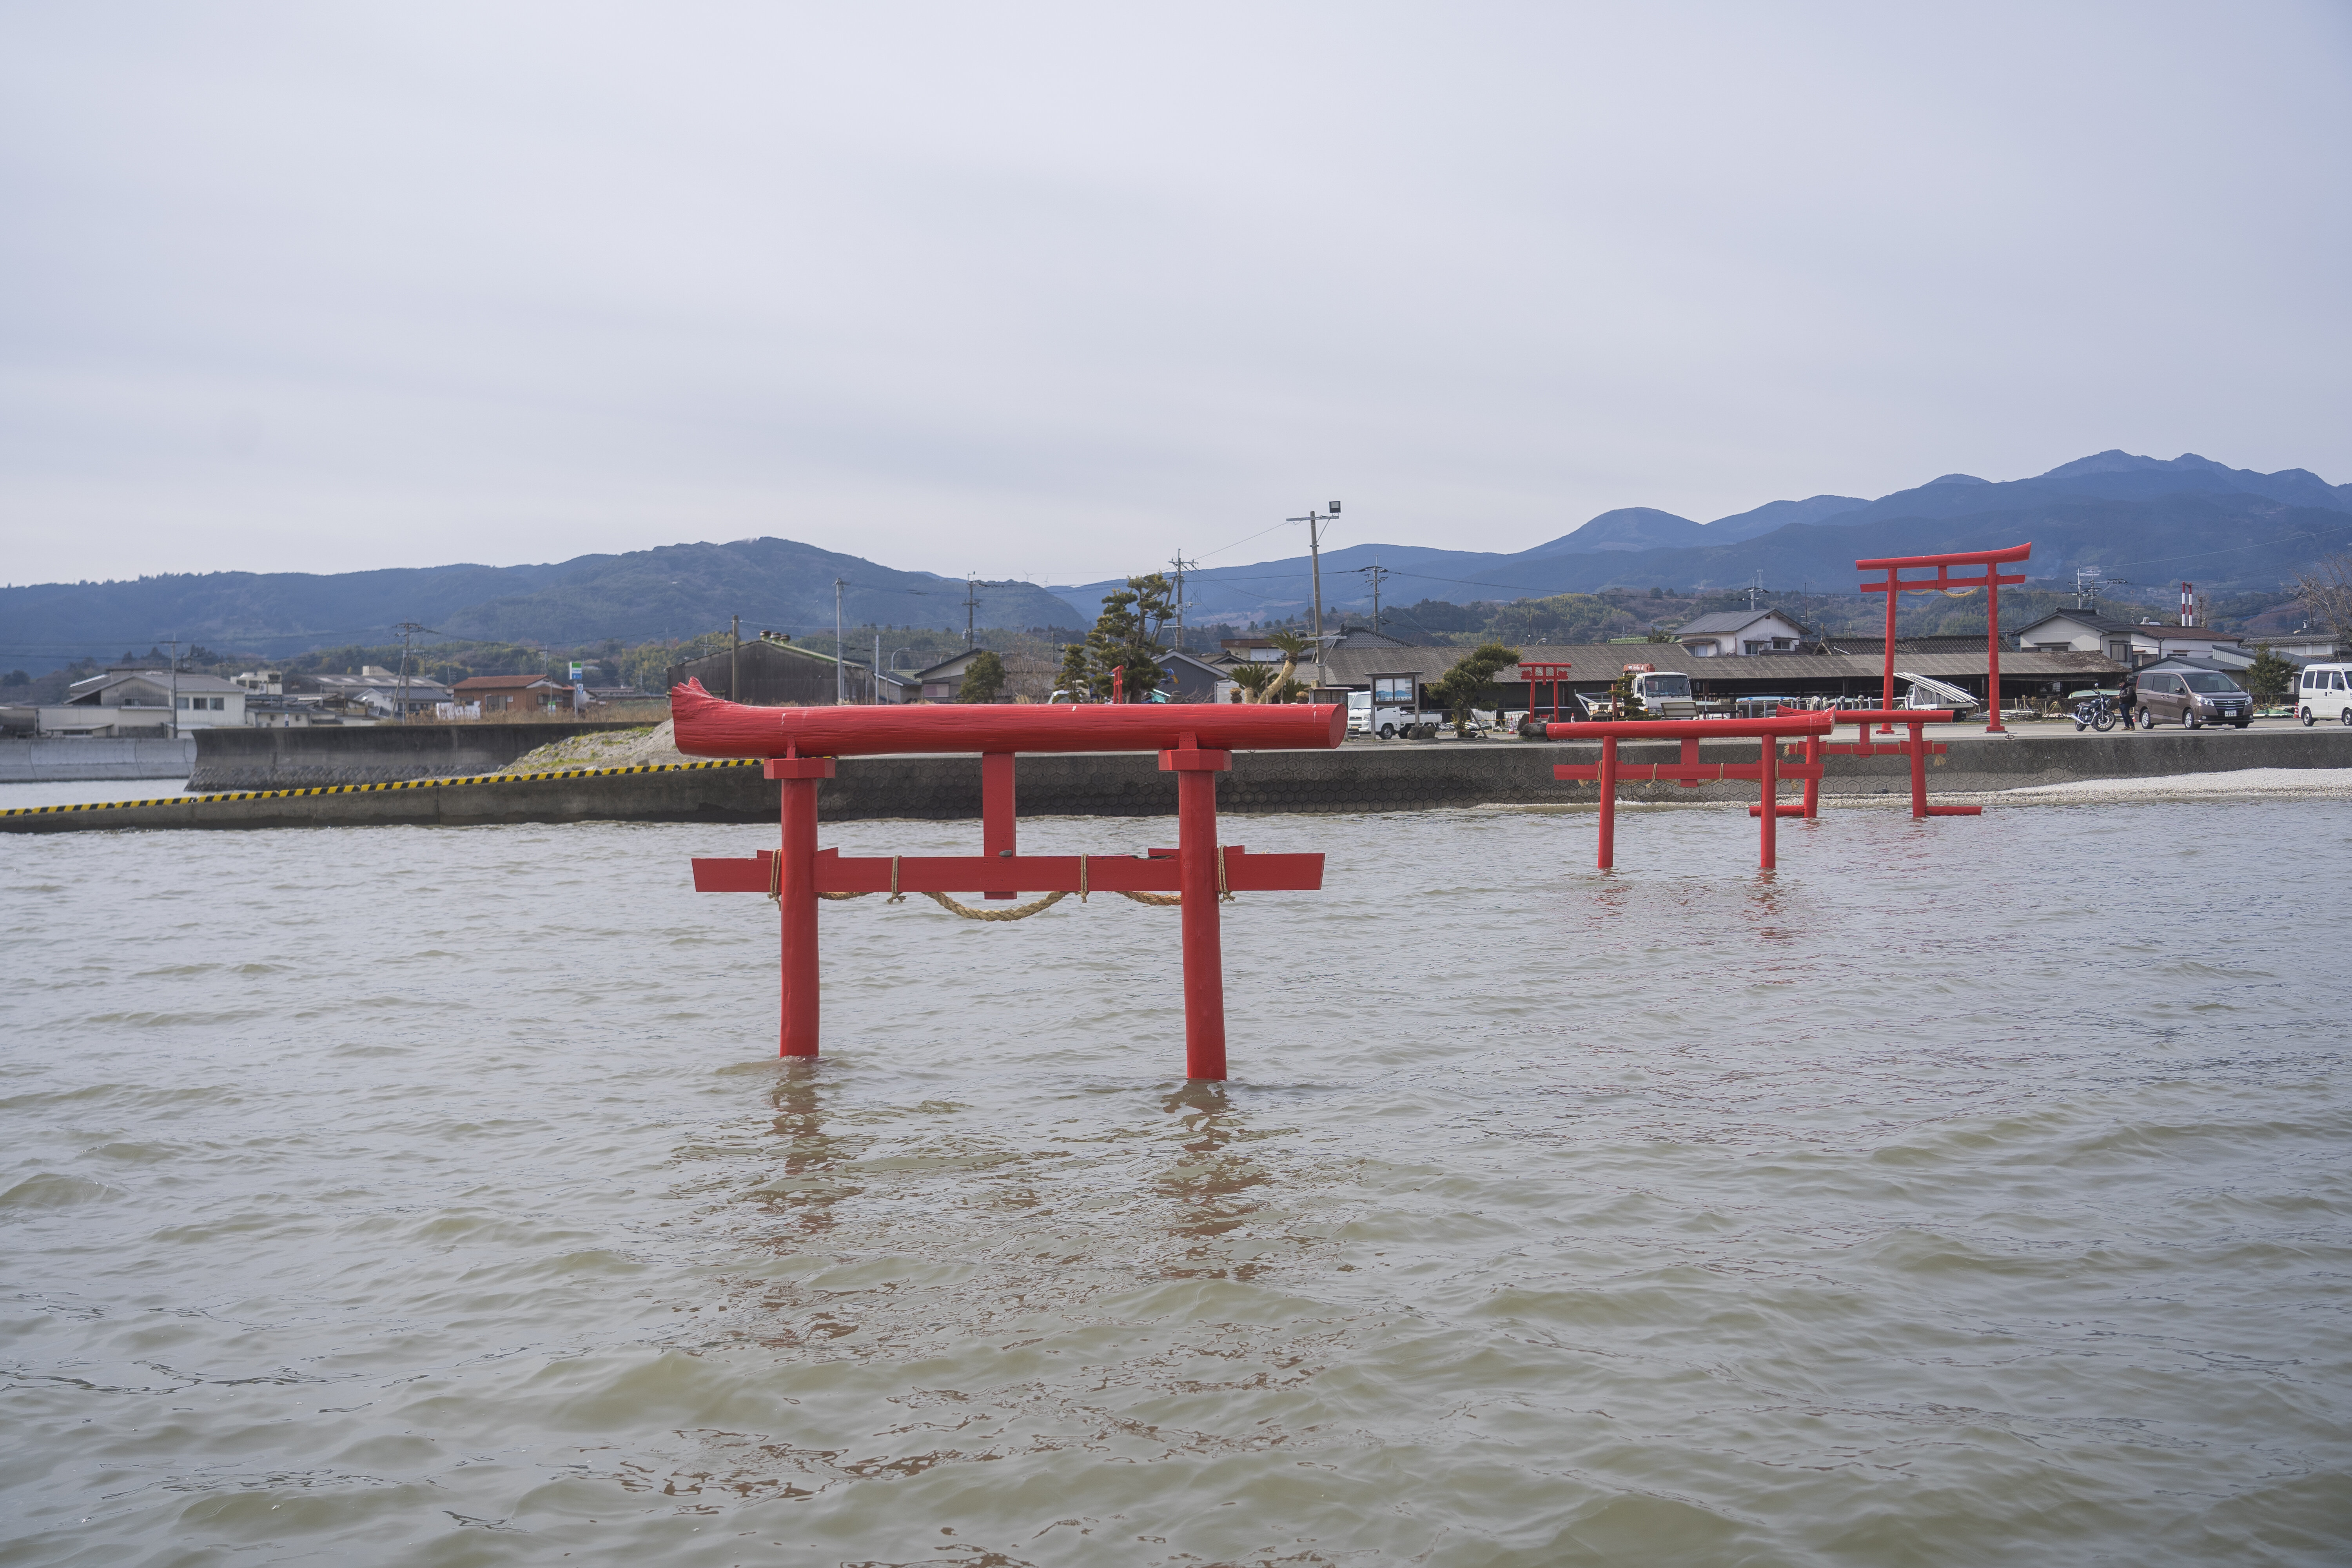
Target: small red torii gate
<point x="1769" y="769"/>
<point x="1918" y="748"/>
<point x="1894" y="583"/>
<point x="1541" y="673"/>
<point x="1195" y="743"/>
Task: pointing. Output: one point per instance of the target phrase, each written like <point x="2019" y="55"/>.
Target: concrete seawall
<point x="1401" y="777"/>
<point x="388" y="753"/>
<point x="63" y="758"/>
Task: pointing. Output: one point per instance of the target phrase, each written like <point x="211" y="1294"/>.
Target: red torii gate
<point x="1918" y="748"/>
<point x="1538" y="674"/>
<point x="1195" y="742"/>
<point x="1769" y="769"/>
<point x="1895" y="583"/>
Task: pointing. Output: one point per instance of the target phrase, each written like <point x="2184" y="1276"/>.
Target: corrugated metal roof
<point x="1597" y="664"/>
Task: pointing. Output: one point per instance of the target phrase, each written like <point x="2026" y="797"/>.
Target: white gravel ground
<point x="2311" y="783"/>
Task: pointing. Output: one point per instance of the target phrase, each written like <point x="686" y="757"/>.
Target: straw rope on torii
<point x="1019" y="912"/>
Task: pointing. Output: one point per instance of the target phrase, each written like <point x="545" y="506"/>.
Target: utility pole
<point x="874" y="678"/>
<point x="972" y="585"/>
<point x="734" y="659"/>
<point x="407" y="630"/>
<point x="175" y="685"/>
<point x="1181" y="564"/>
<point x="1374" y="572"/>
<point x="1315" y="521"/>
<point x="840" y="654"/>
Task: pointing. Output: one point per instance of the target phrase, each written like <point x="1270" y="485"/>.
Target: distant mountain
<point x="2135" y="516"/>
<point x="677" y="590"/>
<point x="1775" y="514"/>
<point x="2139" y="518"/>
<point x="1627" y="528"/>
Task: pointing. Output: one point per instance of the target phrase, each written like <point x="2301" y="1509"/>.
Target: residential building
<point x="2092" y="631"/>
<point x="1026" y="679"/>
<point x="145" y="702"/>
<point x="510" y="693"/>
<point x="1727" y="633"/>
<point x="1189" y="678"/>
<point x="2084" y="631"/>
<point x="770" y="672"/>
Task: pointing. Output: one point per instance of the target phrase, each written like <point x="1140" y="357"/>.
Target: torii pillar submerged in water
<point x="1195" y="743"/>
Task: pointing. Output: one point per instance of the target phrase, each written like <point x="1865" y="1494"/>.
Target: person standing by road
<point x="2127" y="697"/>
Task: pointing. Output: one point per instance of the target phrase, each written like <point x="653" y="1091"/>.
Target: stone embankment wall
<point x="1397" y="777"/>
<point x="301" y="758"/>
<point x="70" y="759"/>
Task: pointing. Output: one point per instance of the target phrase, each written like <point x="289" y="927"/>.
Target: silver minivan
<point x="2325" y="691"/>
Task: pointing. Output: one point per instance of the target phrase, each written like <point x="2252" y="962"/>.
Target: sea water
<point x="1966" y="1192"/>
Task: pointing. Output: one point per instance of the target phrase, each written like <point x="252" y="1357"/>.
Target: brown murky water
<point x="1967" y="1193"/>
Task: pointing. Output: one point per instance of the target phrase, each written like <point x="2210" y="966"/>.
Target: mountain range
<point x="2142" y="520"/>
<point x="675" y="590"/>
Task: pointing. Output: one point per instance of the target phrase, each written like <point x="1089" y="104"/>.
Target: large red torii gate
<point x="1895" y="583"/>
<point x="1195" y="743"/>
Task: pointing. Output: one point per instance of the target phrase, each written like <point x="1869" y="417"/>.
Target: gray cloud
<point x="1053" y="291"/>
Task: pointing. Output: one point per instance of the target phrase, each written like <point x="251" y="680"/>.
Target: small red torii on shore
<point x="1195" y="743"/>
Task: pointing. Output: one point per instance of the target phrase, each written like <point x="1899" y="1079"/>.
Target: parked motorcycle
<point x="2094" y="714"/>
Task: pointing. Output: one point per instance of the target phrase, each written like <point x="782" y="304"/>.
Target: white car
<point x="2325" y="693"/>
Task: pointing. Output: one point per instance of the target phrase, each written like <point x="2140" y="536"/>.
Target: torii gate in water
<point x="1195" y="743"/>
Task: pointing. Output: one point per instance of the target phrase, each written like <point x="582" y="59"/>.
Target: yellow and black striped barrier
<point x="377" y="788"/>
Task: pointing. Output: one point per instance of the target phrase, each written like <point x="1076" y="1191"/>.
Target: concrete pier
<point x="65" y="759"/>
<point x="381" y="754"/>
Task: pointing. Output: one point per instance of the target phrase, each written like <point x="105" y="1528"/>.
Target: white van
<point x="2325" y="691"/>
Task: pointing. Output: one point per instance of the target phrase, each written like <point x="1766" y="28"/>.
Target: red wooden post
<point x="1607" y="802"/>
<point x="996" y="801"/>
<point x="1918" y="770"/>
<point x="795" y="885"/>
<point x="1769" y="836"/>
<point x="1887" y="691"/>
<point x="1197" y="853"/>
<point x="1992" y="652"/>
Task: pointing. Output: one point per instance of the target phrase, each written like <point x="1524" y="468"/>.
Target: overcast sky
<point x="1053" y="292"/>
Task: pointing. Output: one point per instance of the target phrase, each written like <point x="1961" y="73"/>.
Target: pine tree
<point x="2269" y="678"/>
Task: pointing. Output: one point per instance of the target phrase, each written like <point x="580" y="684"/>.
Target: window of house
<point x="1782" y="645"/>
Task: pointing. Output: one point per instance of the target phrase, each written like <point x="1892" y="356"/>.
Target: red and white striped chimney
<point x="2189" y="603"/>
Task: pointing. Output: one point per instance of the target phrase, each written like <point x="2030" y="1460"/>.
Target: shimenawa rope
<point x="1018" y="911"/>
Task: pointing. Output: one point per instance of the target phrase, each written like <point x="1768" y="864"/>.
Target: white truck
<point x="1389" y="719"/>
<point x="1665" y="694"/>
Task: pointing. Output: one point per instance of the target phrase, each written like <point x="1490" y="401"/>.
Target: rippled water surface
<point x="1966" y="1193"/>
